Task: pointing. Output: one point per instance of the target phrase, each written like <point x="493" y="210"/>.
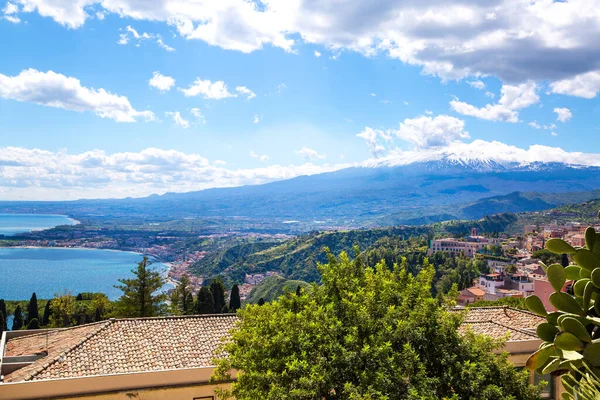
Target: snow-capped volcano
<point x="482" y="156"/>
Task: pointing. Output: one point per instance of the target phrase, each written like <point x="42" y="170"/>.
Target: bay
<point x="50" y="270"/>
<point x="11" y="224"/>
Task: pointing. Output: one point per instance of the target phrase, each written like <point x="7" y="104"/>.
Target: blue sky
<point x="301" y="97"/>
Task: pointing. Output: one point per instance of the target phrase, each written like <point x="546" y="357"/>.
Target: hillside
<point x="273" y="287"/>
<point x="297" y="258"/>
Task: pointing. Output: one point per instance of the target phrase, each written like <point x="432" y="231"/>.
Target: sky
<point x="117" y="98"/>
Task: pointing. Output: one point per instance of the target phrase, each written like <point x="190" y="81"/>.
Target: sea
<point x="11" y="224"/>
<point x="47" y="270"/>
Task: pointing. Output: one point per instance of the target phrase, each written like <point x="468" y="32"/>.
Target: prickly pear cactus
<point x="571" y="335"/>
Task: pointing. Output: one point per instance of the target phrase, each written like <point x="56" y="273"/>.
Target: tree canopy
<point x="364" y="333"/>
<point x="141" y="295"/>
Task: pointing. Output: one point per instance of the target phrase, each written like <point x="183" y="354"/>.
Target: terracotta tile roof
<point x="496" y="330"/>
<point x="497" y="322"/>
<point x="475" y="291"/>
<point x="507" y="316"/>
<point x="123" y="346"/>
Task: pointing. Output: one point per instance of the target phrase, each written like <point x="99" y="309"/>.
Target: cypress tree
<point x="79" y="297"/>
<point x="3" y="311"/>
<point x="234" y="300"/>
<point x="2" y="323"/>
<point x="205" y="303"/>
<point x="218" y="291"/>
<point x="564" y="260"/>
<point x="33" y="324"/>
<point x="189" y="304"/>
<point x="32" y="310"/>
<point x="97" y="316"/>
<point x="47" y="313"/>
<point x="298" y="291"/>
<point x="261" y="301"/>
<point x="17" y="319"/>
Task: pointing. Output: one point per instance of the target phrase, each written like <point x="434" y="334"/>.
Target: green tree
<point x="218" y="291"/>
<point x="205" y="303"/>
<point x="47" y="313"/>
<point x="17" y="319"/>
<point x="62" y="310"/>
<point x="3" y="326"/>
<point x="261" y="301"/>
<point x="365" y="333"/>
<point x="4" y="313"/>
<point x="141" y="295"/>
<point x="234" y="299"/>
<point x="182" y="302"/>
<point x="32" y="309"/>
<point x="33" y="324"/>
<point x="546" y="256"/>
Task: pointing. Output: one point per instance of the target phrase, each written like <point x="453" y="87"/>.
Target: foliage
<point x="365" y="333"/>
<point x="47" y="313"/>
<point x="571" y="335"/>
<point x="205" y="303"/>
<point x="18" y="319"/>
<point x="546" y="256"/>
<point x="4" y="313"/>
<point x="62" y="310"/>
<point x="32" y="310"/>
<point x="514" y="302"/>
<point x="182" y="302"/>
<point x="235" y="303"/>
<point x="272" y="287"/>
<point x="141" y="296"/>
<point x="33" y="324"/>
<point x="3" y="326"/>
<point x="217" y="288"/>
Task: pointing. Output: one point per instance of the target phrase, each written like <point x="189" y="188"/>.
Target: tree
<point x="47" y="313"/>
<point x="234" y="299"/>
<point x="182" y="302"/>
<point x="546" y="256"/>
<point x="32" y="309"/>
<point x="218" y="291"/>
<point x="97" y="315"/>
<point x="3" y="326"/>
<point x="33" y="324"/>
<point x="4" y="313"/>
<point x="205" y="303"/>
<point x="17" y="319"/>
<point x="62" y="310"/>
<point x="571" y="338"/>
<point x="261" y="301"/>
<point x="141" y="296"/>
<point x="364" y="333"/>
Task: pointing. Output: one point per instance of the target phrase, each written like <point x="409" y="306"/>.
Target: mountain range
<point x="388" y="192"/>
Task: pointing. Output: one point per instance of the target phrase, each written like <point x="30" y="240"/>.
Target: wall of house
<point x="194" y="392"/>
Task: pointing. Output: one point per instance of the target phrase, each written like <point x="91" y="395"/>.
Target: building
<point x="520" y="282"/>
<point x="491" y="282"/>
<point x="456" y="247"/>
<point x="136" y="358"/>
<point x="470" y="295"/>
<point x="520" y="327"/>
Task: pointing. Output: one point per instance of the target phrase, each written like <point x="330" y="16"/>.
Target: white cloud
<point x="178" y="119"/>
<point x="132" y="34"/>
<point x="56" y="90"/>
<point x="162" y="44"/>
<point x="477" y="84"/>
<point x="309" y="154"/>
<point x="586" y="85"/>
<point x="198" y="114"/>
<point x="317" y="54"/>
<point x="490" y="95"/>
<point x="161" y="82"/>
<point x="371" y="137"/>
<point x="373" y="95"/>
<point x="256" y="119"/>
<point x="385" y="101"/>
<point x="9" y="11"/>
<point x="244" y="91"/>
<point x="262" y="158"/>
<point x="425" y="132"/>
<point x="428" y="112"/>
<point x="554" y="133"/>
<point x="12" y="18"/>
<point x="514" y="97"/>
<point x="34" y="174"/>
<point x="209" y="90"/>
<point x="535" y="125"/>
<point x="563" y="114"/>
<point x="515" y="40"/>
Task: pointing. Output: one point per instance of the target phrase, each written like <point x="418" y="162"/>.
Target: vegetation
<point x="141" y="296"/>
<point x="365" y="333"/>
<point x="32" y="310"/>
<point x="235" y="303"/>
<point x="571" y="335"/>
<point x="182" y="300"/>
<point x="546" y="256"/>
<point x="273" y="287"/>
